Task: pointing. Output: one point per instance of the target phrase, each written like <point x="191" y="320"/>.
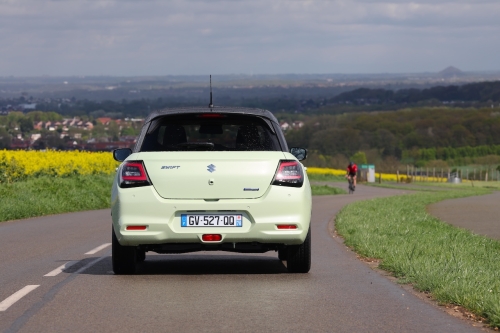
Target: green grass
<point x="326" y="190"/>
<point x="326" y="178"/>
<point x="52" y="195"/>
<point x="466" y="185"/>
<point x="400" y="187"/>
<point x="454" y="265"/>
<point x="433" y="187"/>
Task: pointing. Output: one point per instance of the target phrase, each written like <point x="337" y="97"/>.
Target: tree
<point x="4" y="139"/>
<point x="114" y="131"/>
<point x="25" y="125"/>
<point x="359" y="158"/>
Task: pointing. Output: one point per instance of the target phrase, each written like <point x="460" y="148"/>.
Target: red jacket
<point x="352" y="169"/>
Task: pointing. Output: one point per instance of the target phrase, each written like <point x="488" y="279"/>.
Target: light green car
<point x="205" y="179"/>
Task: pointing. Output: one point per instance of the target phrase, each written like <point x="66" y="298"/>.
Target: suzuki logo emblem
<point x="211" y="168"/>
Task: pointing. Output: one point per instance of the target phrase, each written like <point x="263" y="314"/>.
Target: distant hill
<point x="473" y="92"/>
<point x="450" y="72"/>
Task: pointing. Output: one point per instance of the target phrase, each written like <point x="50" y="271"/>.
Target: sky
<point x="198" y="37"/>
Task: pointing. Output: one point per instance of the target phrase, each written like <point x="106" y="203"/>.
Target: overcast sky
<point x="162" y="37"/>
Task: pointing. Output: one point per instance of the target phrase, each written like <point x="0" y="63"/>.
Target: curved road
<point x="478" y="214"/>
<point x="55" y="276"/>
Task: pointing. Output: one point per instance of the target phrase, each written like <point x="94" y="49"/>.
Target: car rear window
<point x="210" y="132"/>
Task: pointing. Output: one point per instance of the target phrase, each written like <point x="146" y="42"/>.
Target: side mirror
<point x="299" y="153"/>
<point x="121" y="154"/>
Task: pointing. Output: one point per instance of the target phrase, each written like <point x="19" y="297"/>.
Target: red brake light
<point x="289" y="173"/>
<point x="136" y="227"/>
<point x="211" y="238"/>
<point x="133" y="174"/>
<point x="286" y="226"/>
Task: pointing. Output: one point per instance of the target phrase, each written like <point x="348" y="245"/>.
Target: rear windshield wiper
<point x="195" y="146"/>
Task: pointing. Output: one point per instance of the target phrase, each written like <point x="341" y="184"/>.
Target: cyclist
<point x="352" y="170"/>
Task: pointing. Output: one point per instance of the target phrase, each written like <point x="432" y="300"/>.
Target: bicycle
<point x="350" y="180"/>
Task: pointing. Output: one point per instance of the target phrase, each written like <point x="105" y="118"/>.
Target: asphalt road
<point x="479" y="214"/>
<point x="201" y="292"/>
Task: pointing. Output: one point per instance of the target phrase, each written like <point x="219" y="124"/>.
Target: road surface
<point x="480" y="214"/>
<point x="55" y="276"/>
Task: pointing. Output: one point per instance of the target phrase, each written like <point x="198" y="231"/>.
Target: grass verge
<point x="326" y="178"/>
<point x="454" y="265"/>
<point x="52" y="195"/>
<point x="326" y="190"/>
<point x="393" y="185"/>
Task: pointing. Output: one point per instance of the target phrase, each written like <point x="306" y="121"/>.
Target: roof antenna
<point x="211" y="105"/>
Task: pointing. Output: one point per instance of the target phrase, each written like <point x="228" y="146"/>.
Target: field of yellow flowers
<point x="19" y="165"/>
<point x="383" y="176"/>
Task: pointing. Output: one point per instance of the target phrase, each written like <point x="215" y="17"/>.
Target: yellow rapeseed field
<point x="325" y="171"/>
<point x="385" y="176"/>
<point x="20" y="164"/>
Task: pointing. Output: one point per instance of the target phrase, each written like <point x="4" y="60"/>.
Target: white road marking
<point x="99" y="248"/>
<point x="16" y="297"/>
<point x="61" y="268"/>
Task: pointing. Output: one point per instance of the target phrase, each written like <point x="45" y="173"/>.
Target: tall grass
<point x="326" y="190"/>
<point x="53" y="195"/>
<point x="453" y="264"/>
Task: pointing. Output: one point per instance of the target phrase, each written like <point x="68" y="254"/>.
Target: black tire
<point x="123" y="258"/>
<point x="282" y="254"/>
<point x="351" y="186"/>
<point x="299" y="256"/>
<point x="141" y="255"/>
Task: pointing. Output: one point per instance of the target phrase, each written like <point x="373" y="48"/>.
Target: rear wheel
<point x="299" y="256"/>
<point x="123" y="258"/>
<point x="282" y="254"/>
<point x="351" y="186"/>
<point x="141" y="255"/>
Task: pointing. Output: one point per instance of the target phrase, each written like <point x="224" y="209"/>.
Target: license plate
<point x="211" y="220"/>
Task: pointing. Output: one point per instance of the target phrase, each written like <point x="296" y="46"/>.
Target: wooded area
<point x="409" y="136"/>
<point x="478" y="92"/>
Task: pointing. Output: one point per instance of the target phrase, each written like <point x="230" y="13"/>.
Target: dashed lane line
<point x="61" y="268"/>
<point x="17" y="296"/>
<point x="49" y="296"/>
<point x="67" y="265"/>
<point x="99" y="248"/>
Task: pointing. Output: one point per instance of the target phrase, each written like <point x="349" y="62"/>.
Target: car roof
<point x="216" y="109"/>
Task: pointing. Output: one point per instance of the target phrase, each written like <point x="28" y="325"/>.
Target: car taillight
<point x="211" y="238"/>
<point x="133" y="174"/>
<point x="286" y="226"/>
<point x="289" y="173"/>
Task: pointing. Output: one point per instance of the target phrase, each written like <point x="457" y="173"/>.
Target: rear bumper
<point x="252" y="247"/>
<point x="279" y="205"/>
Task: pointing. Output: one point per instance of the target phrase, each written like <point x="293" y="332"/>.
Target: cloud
<point x="132" y="37"/>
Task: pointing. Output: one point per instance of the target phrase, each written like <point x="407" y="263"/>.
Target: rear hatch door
<point x="211" y="175"/>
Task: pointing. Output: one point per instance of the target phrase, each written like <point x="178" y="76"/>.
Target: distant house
<point x="38" y="125"/>
<point x="88" y="126"/>
<point x="284" y="126"/>
<point x="104" y="120"/>
<point x="35" y="137"/>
